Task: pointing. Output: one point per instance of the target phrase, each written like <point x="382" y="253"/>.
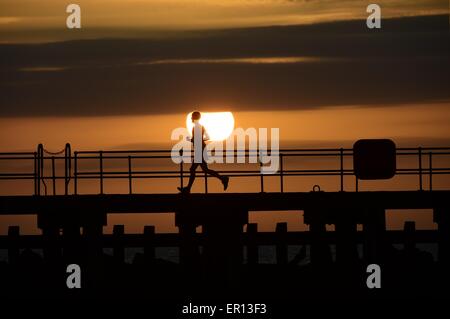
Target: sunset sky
<point x="37" y="21"/>
<point x="309" y="67"/>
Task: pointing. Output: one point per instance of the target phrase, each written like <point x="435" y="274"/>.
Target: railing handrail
<point x="282" y="150"/>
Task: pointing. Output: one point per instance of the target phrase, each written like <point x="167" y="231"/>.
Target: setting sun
<point x="219" y="125"/>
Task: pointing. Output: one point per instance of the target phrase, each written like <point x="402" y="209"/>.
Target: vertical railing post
<point x="67" y="167"/>
<point x="40" y="162"/>
<point x="75" y="173"/>
<point x="130" y="176"/>
<point x="261" y="177"/>
<point x="181" y="168"/>
<point x="36" y="180"/>
<point x="341" y="155"/>
<point x="101" y="172"/>
<point x="420" y="168"/>
<point x="281" y="173"/>
<point x="430" y="167"/>
<point x="53" y="175"/>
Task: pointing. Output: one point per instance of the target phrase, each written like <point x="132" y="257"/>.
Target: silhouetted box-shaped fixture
<point x="374" y="159"/>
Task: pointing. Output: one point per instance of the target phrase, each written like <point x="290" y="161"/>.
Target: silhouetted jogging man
<point x="201" y="138"/>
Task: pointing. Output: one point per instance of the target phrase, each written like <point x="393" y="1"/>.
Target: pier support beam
<point x="189" y="252"/>
<point x="222" y="243"/>
<point x="13" y="245"/>
<point x="72" y="246"/>
<point x="149" y="245"/>
<point x="320" y="253"/>
<point x="223" y="249"/>
<point x="346" y="238"/>
<point x="118" y="247"/>
<point x="374" y="228"/>
<point x="252" y="247"/>
<point x="281" y="244"/>
<point x="51" y="239"/>
<point x="441" y="216"/>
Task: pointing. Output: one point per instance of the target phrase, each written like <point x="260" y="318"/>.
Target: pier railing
<point x="41" y="167"/>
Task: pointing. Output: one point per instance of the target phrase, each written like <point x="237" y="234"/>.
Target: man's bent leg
<point x="209" y="171"/>
<point x="223" y="179"/>
<point x="187" y="189"/>
<point x="192" y="175"/>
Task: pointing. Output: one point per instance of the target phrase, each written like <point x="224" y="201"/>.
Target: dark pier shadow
<point x="225" y="262"/>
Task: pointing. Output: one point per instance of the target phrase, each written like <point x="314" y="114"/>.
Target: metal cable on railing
<point x="40" y="164"/>
<point x="55" y="153"/>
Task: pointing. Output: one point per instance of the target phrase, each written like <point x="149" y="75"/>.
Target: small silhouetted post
<point x="188" y="249"/>
<point x="149" y="242"/>
<point x="281" y="246"/>
<point x="13" y="245"/>
<point x="51" y="251"/>
<point x="442" y="218"/>
<point x="93" y="233"/>
<point x="374" y="232"/>
<point x="346" y="244"/>
<point x="223" y="250"/>
<point x="118" y="247"/>
<point x="320" y="252"/>
<point x="93" y="237"/>
<point x="409" y="230"/>
<point x="72" y="247"/>
<point x="252" y="247"/>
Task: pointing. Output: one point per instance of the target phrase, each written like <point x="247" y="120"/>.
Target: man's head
<point x="195" y="116"/>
